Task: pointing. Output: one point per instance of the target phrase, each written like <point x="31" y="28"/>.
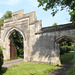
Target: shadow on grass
<point x="4" y="69"/>
<point x="63" y="69"/>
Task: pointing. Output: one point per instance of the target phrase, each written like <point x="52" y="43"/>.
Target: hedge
<point x="66" y="49"/>
<point x="1" y="59"/>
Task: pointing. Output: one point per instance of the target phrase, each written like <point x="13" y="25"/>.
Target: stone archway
<point x="62" y="39"/>
<point x="40" y="44"/>
<point x="21" y="23"/>
<point x="7" y="42"/>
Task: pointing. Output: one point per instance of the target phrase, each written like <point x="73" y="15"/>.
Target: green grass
<point x="67" y="56"/>
<point x="29" y="68"/>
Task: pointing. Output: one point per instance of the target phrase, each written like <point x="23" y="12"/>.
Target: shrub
<point x="1" y="59"/>
<point x="66" y="49"/>
<point x="66" y="46"/>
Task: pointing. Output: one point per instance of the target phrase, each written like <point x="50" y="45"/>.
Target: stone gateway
<point x="40" y="44"/>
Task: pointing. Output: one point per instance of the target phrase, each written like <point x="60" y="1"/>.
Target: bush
<point x="1" y="59"/>
<point x="66" y="46"/>
<point x="66" y="49"/>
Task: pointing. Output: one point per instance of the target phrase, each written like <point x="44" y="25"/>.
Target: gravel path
<point x="62" y="69"/>
<point x="9" y="63"/>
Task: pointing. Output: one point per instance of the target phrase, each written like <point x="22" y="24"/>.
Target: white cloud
<point x="10" y="2"/>
<point x="1" y="15"/>
<point x="33" y="2"/>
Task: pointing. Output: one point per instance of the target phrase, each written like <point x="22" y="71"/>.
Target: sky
<point x="62" y="17"/>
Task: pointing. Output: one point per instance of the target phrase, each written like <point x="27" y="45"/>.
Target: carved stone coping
<point x="19" y="15"/>
<point x="8" y="20"/>
<point x="57" y="28"/>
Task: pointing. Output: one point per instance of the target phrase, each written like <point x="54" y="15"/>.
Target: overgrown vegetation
<point x="1" y="59"/>
<point x="67" y="56"/>
<point x="30" y="68"/>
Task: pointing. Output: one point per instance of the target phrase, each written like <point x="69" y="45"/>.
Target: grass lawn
<point x="67" y="56"/>
<point x="29" y="68"/>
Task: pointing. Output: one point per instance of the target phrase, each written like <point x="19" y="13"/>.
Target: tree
<point x="1" y="22"/>
<point x="55" y="24"/>
<point x="7" y="15"/>
<point x="55" y="4"/>
<point x="72" y="14"/>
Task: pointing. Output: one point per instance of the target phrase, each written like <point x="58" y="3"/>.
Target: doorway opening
<point x="16" y="45"/>
<point x="66" y="46"/>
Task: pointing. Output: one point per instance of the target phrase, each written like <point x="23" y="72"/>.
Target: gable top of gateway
<point x="20" y="15"/>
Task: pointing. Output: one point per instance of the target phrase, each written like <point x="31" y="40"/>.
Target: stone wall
<point x="26" y="24"/>
<point x="44" y="49"/>
<point x="45" y="46"/>
<point x="40" y="44"/>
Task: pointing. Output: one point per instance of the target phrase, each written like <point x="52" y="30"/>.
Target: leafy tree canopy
<point x="55" y="24"/>
<point x="7" y="15"/>
<point x="54" y="4"/>
<point x="72" y="14"/>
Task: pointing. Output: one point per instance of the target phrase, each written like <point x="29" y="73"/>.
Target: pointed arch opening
<point x="66" y="47"/>
<point x="16" y="45"/>
<point x="10" y="44"/>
